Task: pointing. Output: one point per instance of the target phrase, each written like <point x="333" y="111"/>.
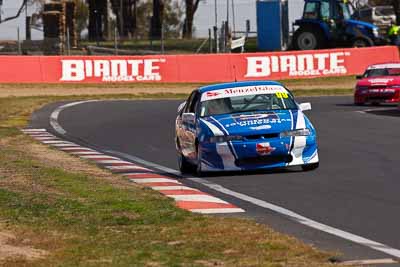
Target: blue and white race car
<point x="244" y="126"/>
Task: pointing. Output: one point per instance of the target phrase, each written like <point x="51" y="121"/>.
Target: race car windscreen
<point x="382" y="72"/>
<point x="247" y="103"/>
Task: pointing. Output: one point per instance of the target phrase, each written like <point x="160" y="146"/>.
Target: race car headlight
<point x="394" y="86"/>
<point x="299" y="132"/>
<point x="225" y="138"/>
<point x="362" y="88"/>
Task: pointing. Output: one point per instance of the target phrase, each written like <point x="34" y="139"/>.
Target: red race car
<point x="379" y="84"/>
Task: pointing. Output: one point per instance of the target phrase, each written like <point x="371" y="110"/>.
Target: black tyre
<point x="199" y="170"/>
<point x="308" y="39"/>
<point x="362" y="42"/>
<point x="183" y="164"/>
<point x="310" y="167"/>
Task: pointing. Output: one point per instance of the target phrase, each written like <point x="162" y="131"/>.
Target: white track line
<point x="56" y="113"/>
<point x="280" y="210"/>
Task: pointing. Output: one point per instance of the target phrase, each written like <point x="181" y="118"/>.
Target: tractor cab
<point x="328" y="23"/>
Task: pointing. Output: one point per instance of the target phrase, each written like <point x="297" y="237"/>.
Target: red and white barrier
<point x="192" y="68"/>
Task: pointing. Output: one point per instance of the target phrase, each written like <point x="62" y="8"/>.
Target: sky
<point x="204" y="18"/>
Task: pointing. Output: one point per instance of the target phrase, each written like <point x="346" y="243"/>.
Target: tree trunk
<point x="97" y="15"/>
<point x="396" y="6"/>
<point x="191" y="8"/>
<point x="156" y="20"/>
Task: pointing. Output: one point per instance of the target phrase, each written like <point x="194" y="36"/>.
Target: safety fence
<point x="192" y="68"/>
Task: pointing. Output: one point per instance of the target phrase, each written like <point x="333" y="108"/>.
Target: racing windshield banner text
<point x="193" y="68"/>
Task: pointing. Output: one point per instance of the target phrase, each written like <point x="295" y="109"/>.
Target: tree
<point x="20" y="9"/>
<point x="190" y="9"/>
<point x="82" y="15"/>
<point x="157" y="19"/>
<point x="97" y="19"/>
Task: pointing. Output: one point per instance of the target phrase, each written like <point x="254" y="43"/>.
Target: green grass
<point x="83" y="216"/>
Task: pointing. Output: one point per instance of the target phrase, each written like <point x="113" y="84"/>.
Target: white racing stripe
<point x="87" y="153"/>
<point x="127" y="167"/>
<point x="41" y="135"/>
<point x="111" y="161"/>
<point x="166" y="188"/>
<point x="65" y="145"/>
<point x="75" y="148"/>
<point x="197" y="198"/>
<point x="53" y="142"/>
<point x="154" y="180"/>
<point x="94" y="157"/>
<point x="215" y="211"/>
<point x="33" y="130"/>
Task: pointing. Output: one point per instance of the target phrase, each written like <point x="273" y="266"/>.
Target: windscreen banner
<point x="193" y="68"/>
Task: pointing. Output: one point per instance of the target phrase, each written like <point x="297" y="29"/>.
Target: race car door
<point x="189" y="124"/>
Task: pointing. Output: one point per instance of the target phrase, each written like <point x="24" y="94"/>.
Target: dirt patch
<point x="8" y="250"/>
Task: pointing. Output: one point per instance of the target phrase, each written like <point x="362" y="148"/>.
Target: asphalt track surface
<point x="356" y="188"/>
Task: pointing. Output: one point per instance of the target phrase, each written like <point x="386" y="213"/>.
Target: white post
<point x="19" y="42"/>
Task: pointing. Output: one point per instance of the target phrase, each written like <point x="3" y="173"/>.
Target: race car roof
<point x="388" y="65"/>
<point x="235" y="84"/>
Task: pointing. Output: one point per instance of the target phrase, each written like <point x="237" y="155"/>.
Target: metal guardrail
<point x="97" y="50"/>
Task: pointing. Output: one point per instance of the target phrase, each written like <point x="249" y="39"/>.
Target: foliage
<point x="82" y="14"/>
<point x="172" y="18"/>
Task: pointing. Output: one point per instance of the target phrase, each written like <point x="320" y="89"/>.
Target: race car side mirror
<point x="188" y="117"/>
<point x="305" y="106"/>
<point x="359" y="77"/>
<point x="181" y="106"/>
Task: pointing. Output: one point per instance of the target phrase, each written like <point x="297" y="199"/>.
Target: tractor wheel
<point x="362" y="42"/>
<point x="308" y="39"/>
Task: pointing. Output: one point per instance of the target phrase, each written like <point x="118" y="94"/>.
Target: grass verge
<point x="302" y="87"/>
<point x="56" y="209"/>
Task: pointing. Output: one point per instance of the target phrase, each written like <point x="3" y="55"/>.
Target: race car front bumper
<point x="377" y="96"/>
<point x="259" y="154"/>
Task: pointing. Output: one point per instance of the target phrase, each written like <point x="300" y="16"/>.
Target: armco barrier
<point x="192" y="68"/>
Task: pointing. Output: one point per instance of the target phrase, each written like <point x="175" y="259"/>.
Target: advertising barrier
<point x="192" y="68"/>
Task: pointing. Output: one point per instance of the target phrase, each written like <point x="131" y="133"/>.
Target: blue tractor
<point x="329" y="23"/>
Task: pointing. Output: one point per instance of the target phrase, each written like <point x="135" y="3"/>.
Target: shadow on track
<point x="385" y="112"/>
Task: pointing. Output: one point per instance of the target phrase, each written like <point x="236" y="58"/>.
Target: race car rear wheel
<point x="310" y="167"/>
<point x="184" y="165"/>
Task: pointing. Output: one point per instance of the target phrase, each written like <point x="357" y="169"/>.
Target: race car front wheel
<point x="184" y="165"/>
<point x="199" y="171"/>
<point x="310" y="167"/>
